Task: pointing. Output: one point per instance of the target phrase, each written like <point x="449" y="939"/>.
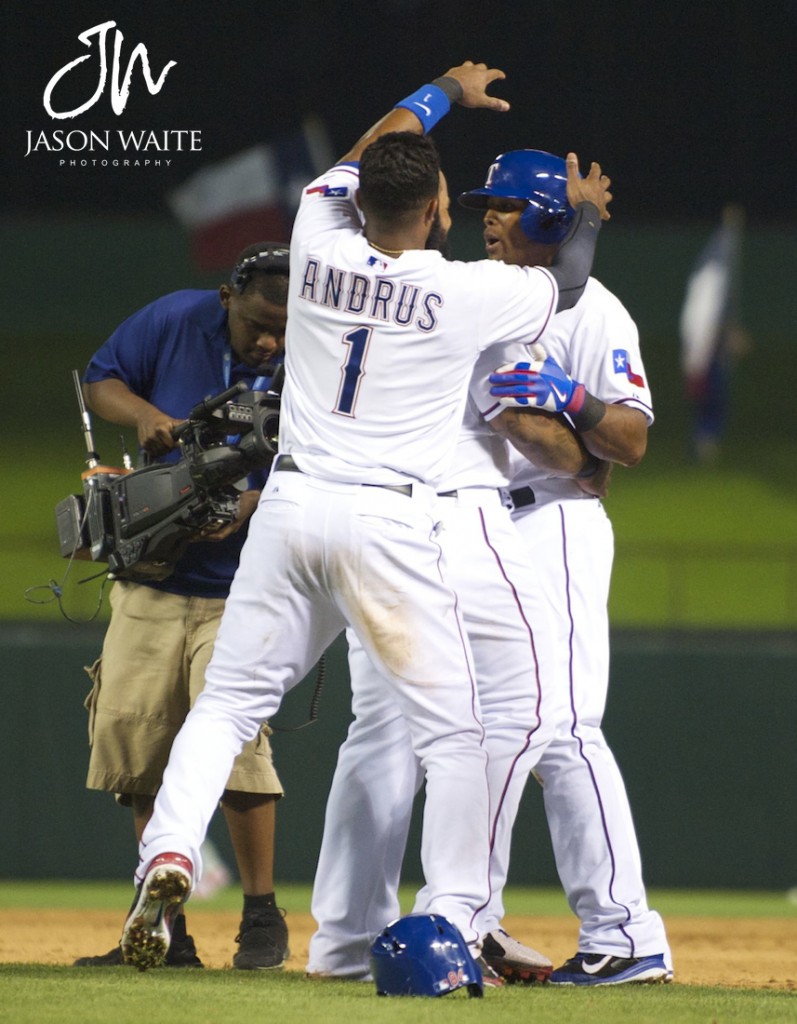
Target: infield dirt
<point x="737" y="952"/>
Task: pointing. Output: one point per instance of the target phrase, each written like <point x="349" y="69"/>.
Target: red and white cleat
<point x="148" y="929"/>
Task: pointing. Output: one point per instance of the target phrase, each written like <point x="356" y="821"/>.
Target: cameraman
<point x="149" y="374"/>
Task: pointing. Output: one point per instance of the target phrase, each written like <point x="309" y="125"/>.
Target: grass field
<point x="58" y="995"/>
<point x="37" y="993"/>
<point x="703" y="547"/>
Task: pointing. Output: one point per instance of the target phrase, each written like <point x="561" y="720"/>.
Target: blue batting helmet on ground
<point x="539" y="178"/>
<point x="423" y="955"/>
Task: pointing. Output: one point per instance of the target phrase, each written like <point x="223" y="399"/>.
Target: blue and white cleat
<point x="606" y="969"/>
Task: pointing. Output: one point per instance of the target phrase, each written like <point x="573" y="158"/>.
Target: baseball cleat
<point x="606" y="969"/>
<point x="262" y="941"/>
<point x="516" y="963"/>
<point x="148" y="930"/>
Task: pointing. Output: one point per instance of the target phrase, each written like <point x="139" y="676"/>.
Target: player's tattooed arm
<point x="621" y="436"/>
<point x="545" y="440"/>
<point x="465" y="84"/>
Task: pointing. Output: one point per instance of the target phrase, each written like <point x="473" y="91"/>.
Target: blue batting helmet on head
<point x="423" y="955"/>
<point x="541" y="180"/>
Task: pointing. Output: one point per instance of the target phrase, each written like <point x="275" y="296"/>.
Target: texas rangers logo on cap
<point x="621" y="365"/>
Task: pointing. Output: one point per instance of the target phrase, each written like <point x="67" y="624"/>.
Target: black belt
<point x="522" y="497"/>
<point x="287" y="464"/>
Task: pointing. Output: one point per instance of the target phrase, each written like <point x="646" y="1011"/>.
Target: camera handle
<point x="203" y="409"/>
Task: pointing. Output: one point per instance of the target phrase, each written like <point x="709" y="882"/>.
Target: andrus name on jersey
<point x="378" y="299"/>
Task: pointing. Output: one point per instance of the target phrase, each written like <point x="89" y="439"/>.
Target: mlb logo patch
<point x="330" y="191"/>
<point x="621" y="365"/>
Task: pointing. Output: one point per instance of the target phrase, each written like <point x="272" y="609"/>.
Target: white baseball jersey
<point x="367" y="332"/>
<point x="597" y="343"/>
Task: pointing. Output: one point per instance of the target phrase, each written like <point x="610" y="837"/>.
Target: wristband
<point x="430" y="103"/>
<point x="451" y="87"/>
<point x="589" y="415"/>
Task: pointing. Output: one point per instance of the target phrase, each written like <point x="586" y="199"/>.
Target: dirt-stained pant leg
<point x="318" y="554"/>
<point x="370" y="800"/>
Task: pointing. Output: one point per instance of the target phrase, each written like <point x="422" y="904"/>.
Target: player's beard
<point x="438" y="238"/>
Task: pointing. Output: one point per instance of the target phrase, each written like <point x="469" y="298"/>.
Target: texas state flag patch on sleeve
<point x="621" y="365"/>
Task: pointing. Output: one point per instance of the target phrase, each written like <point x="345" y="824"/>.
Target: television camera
<point x="140" y="521"/>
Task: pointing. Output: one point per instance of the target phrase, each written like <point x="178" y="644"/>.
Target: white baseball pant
<point x="592" y="830"/>
<point x="370" y="801"/>
<point x="320" y="555"/>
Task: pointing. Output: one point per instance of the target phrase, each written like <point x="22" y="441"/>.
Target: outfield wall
<point x="703" y="728"/>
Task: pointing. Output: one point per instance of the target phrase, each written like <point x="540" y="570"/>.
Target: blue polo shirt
<point x="172" y="353"/>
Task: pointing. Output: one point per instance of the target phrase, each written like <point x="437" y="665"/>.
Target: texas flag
<point x="250" y="196"/>
<point x="621" y="365"/>
<point x="709" y="312"/>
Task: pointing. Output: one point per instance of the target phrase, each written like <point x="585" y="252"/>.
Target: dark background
<point x="686" y="105"/>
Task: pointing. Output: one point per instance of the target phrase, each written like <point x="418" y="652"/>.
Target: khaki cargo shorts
<point x="151" y="670"/>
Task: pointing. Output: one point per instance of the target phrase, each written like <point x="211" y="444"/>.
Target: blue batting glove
<point x="541" y="384"/>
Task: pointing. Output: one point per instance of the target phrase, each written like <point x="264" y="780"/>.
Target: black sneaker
<point x="181" y="953"/>
<point x="262" y="941"/>
<point x="606" y="969"/>
<point x="113" y="958"/>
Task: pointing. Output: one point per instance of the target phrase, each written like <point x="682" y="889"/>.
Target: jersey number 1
<point x="352" y="370"/>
